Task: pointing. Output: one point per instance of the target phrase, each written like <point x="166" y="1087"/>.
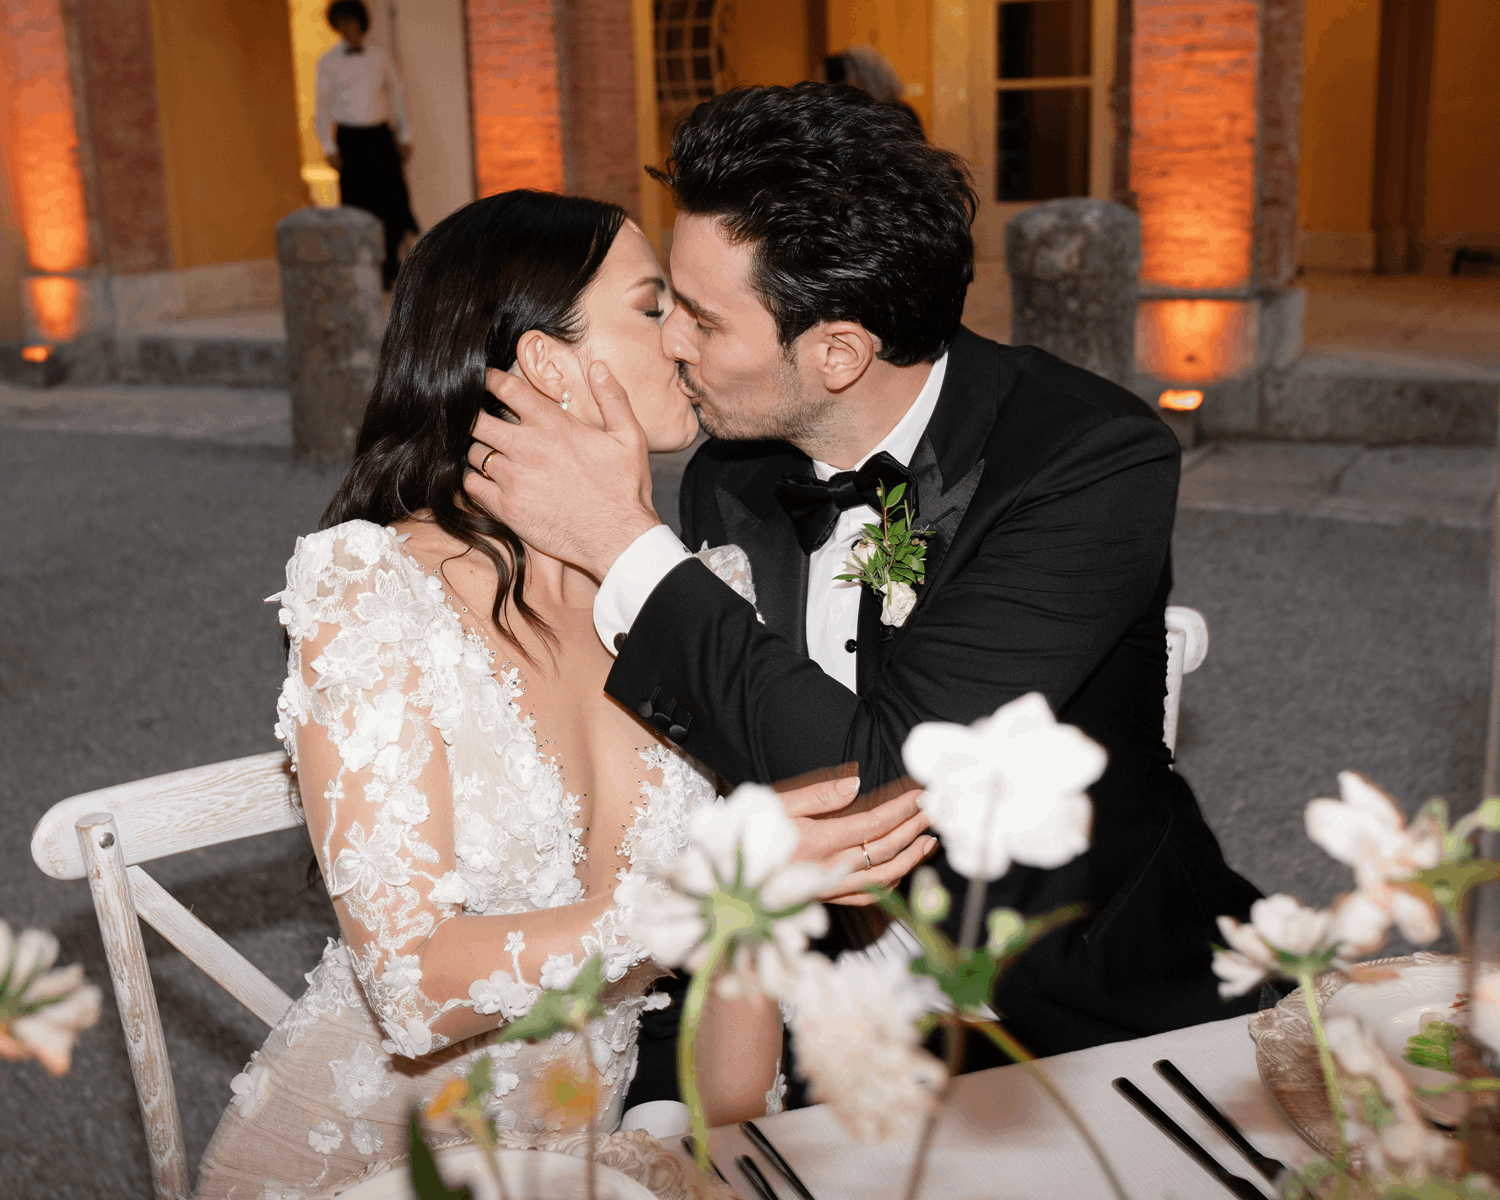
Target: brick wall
<point x="1282" y="25"/>
<point x="513" y="63"/>
<point x="598" y="102"/>
<point x="125" y="134"/>
<point x="1193" y="128"/>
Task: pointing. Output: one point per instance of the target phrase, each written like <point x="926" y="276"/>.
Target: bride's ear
<point x="540" y="360"/>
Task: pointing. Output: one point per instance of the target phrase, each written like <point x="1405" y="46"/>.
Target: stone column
<point x="1073" y="266"/>
<point x="330" y="293"/>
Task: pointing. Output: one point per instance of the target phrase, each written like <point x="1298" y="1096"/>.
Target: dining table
<point x="1002" y="1137"/>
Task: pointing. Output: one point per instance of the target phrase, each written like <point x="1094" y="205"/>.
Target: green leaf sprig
<point x="893" y="552"/>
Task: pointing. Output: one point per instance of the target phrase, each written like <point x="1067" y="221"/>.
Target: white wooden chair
<point x="1187" y="647"/>
<point x="103" y="836"/>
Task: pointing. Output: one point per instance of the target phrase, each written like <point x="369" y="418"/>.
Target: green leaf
<point x="893" y="497"/>
<point x="481" y="1080"/>
<point x="1433" y="1047"/>
<point x="425" y="1180"/>
<point x="969" y="984"/>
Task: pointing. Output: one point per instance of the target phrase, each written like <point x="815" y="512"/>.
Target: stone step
<point x="1369" y="397"/>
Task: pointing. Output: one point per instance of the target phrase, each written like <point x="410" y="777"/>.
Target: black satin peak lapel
<point x="778" y="568"/>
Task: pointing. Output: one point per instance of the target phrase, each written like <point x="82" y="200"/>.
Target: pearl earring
<point x="566" y="397"/>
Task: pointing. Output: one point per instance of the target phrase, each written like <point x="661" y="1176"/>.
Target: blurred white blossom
<point x="1364" y="829"/>
<point x="41" y="1010"/>
<point x="734" y="883"/>
<point x="1009" y="788"/>
<point x="1379" y="1114"/>
<point x="1282" y="933"/>
<point x="859" y="1047"/>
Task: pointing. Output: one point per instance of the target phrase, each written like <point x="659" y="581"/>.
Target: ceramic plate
<point x="1426" y="988"/>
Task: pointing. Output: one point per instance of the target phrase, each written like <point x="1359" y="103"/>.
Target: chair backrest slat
<point x="171" y="814"/>
<point x="220" y="961"/>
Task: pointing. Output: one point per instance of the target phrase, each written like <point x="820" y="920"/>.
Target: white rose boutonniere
<point x="890" y="558"/>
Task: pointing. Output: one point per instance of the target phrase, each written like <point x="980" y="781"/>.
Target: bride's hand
<point x="892" y="833"/>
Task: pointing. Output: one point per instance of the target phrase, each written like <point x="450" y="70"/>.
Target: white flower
<point x="377" y="724"/>
<point x="558" y="972"/>
<point x="443" y="641"/>
<point x="501" y="994"/>
<point x="404" y="802"/>
<point x="735" y="878"/>
<point x="858" y="1045"/>
<point x="1281" y="923"/>
<point x="402" y="972"/>
<point x="1365" y="830"/>
<point x="1008" y="788"/>
<point x="897" y="602"/>
<point x="360" y="1080"/>
<point x="49" y="1007"/>
<point x="475" y="842"/>
<point x="1399" y="1138"/>
<point x="412" y="1039"/>
<point x="351" y="660"/>
<point x="325" y="1137"/>
<point x="450" y="889"/>
<point x="859" y="557"/>
<point x="520" y="764"/>
<point x="368" y="863"/>
<point x="249" y="1086"/>
<point x="365" y="1137"/>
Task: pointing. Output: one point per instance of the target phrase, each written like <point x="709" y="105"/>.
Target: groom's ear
<point x="842" y="352"/>
<point x="539" y="358"/>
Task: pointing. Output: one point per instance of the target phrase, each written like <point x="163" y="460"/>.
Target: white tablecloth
<point x="1002" y="1138"/>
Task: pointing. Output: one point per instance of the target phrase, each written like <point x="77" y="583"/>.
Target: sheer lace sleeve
<point x="370" y="681"/>
<point x="732" y="565"/>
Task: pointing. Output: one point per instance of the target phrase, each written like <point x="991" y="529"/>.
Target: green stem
<point x="478" y="1129"/>
<point x="1330" y="1070"/>
<point x="1008" y="1045"/>
<point x="687" y="1045"/>
<point x="593" y="1114"/>
<point x="955" y="1029"/>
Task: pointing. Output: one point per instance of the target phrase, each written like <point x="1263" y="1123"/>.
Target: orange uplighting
<point x="1180" y="400"/>
<point x="1193" y="341"/>
<point x="1193" y="103"/>
<point x="54" y="304"/>
<point x="43" y="166"/>
<point x="514" y="95"/>
<point x="36" y="354"/>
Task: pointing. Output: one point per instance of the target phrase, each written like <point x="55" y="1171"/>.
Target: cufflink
<point x="619" y="642"/>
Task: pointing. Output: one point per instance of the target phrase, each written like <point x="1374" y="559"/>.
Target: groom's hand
<point x="892" y="834"/>
<point x="572" y="491"/>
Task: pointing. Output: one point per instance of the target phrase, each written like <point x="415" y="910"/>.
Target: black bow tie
<point x="354" y="49"/>
<point x="814" y="504"/>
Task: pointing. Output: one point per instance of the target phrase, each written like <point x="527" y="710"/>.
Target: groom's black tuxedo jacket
<point x="1050" y="493"/>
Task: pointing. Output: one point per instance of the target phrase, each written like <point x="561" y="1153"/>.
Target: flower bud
<point x="929" y="898"/>
<point x="1006" y="925"/>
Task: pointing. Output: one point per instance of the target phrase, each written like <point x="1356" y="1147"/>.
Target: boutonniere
<point x="890" y="558"/>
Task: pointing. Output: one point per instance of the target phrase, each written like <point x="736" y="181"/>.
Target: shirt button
<point x="851" y="646"/>
<point x="619" y="642"/>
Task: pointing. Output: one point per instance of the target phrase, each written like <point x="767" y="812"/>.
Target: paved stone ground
<point x="133" y="641"/>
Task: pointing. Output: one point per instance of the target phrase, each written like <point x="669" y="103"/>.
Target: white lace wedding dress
<point x="442" y="805"/>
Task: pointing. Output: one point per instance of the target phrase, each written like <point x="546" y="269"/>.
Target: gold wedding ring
<point x="484" y="462"/>
<point x="865" y="846"/>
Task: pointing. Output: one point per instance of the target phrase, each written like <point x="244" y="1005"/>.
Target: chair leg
<point x="136" y="998"/>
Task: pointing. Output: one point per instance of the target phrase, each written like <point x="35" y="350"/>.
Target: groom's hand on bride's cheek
<point x="568" y="489"/>
<point x="893" y="834"/>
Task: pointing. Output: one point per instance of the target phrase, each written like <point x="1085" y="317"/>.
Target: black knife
<point x="759" y="1182"/>
<point x="1242" y="1188"/>
<point x="1270" y="1167"/>
<point x="690" y="1144"/>
<point x="762" y="1143"/>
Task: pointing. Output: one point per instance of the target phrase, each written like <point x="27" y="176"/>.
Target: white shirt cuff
<point x="629" y="583"/>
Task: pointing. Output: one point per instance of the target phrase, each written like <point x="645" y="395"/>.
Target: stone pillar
<point x="1073" y="267"/>
<point x="330" y="292"/>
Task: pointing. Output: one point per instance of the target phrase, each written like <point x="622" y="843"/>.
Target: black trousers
<point x="371" y="178"/>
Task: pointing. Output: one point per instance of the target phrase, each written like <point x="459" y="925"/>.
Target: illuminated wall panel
<point x="43" y="167"/>
<point x="1193" y="125"/>
<point x="1195" y="341"/>
<point x="517" y="123"/>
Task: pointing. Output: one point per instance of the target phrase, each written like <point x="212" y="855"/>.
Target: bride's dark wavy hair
<point x="476" y="281"/>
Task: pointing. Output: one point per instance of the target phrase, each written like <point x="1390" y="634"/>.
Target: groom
<point x="820" y="261"/>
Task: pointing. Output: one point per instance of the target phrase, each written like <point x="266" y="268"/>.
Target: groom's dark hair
<point x="851" y="213"/>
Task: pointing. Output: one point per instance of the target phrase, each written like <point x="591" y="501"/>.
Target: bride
<point x="472" y="795"/>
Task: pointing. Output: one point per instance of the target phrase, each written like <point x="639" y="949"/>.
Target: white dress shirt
<point x="357" y="89"/>
<point x="832" y="605"/>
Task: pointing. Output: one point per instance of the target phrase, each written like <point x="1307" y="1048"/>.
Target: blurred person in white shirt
<point x="361" y="125"/>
